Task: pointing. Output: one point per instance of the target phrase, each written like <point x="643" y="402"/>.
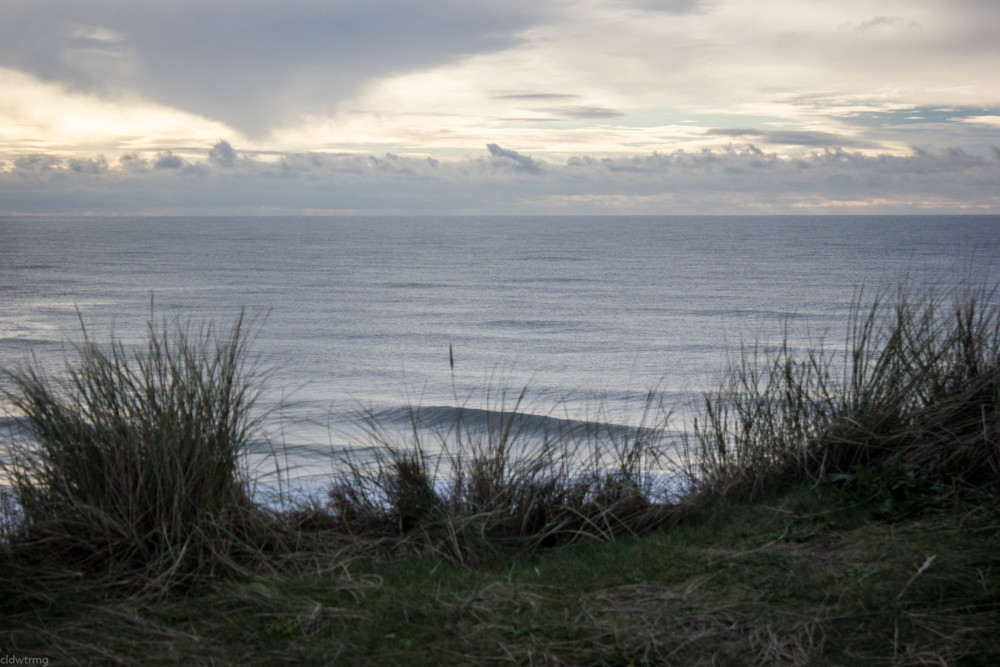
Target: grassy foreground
<point x="840" y="506"/>
<point x="805" y="577"/>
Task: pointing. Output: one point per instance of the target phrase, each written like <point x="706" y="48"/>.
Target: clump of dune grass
<point x="493" y="476"/>
<point x="912" y="399"/>
<point x="134" y="466"/>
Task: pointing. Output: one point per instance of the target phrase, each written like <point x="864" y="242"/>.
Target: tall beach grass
<point x="134" y="464"/>
<point x="911" y="398"/>
<point x="508" y="472"/>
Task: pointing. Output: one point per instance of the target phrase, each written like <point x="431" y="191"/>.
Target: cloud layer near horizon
<point x="739" y="179"/>
<point x="580" y="104"/>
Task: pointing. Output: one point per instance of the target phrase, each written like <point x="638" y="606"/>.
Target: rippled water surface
<point x="362" y="311"/>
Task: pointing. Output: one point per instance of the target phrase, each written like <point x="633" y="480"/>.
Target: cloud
<point x="222" y="154"/>
<point x="989" y="121"/>
<point x="885" y="23"/>
<point x="536" y="96"/>
<point x="669" y="6"/>
<point x="445" y="76"/>
<point x="559" y="109"/>
<point x="251" y="64"/>
<point x="167" y="160"/>
<point x="506" y="157"/>
<point x="88" y="165"/>
<point x="132" y="162"/>
<point x="794" y="137"/>
<point x="37" y="162"/>
<point x="565" y="113"/>
<point x="734" y="180"/>
<point x="586" y="112"/>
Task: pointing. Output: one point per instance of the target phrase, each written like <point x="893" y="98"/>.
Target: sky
<point x="244" y="107"/>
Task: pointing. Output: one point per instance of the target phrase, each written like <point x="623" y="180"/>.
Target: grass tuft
<point x="911" y="399"/>
<point x="494" y="476"/>
<point x="135" y="466"/>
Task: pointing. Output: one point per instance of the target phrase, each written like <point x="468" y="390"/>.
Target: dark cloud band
<point x="735" y="180"/>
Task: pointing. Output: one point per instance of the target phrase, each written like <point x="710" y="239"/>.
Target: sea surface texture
<point x="369" y="313"/>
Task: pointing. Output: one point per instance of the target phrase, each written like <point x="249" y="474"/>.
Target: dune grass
<point x="913" y="394"/>
<point x="494" y="478"/>
<point x="839" y="506"/>
<point x="134" y="467"/>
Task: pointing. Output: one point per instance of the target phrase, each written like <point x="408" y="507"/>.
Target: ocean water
<point x="360" y="313"/>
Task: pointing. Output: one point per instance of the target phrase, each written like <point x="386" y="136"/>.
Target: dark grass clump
<point x="491" y="479"/>
<point x="134" y="466"/>
<point x="912" y="403"/>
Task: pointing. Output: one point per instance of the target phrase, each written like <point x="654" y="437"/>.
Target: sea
<point x="355" y="317"/>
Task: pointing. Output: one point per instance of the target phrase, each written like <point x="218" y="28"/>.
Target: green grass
<point x="842" y="509"/>
<point x="804" y="577"/>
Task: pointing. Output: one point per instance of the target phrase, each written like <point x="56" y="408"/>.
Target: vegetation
<point x="804" y="577"/>
<point x="838" y="506"/>
<point x="913" y="399"/>
<point x="493" y="478"/>
<point x="134" y="468"/>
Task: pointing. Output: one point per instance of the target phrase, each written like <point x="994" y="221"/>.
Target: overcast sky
<point x="520" y="106"/>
